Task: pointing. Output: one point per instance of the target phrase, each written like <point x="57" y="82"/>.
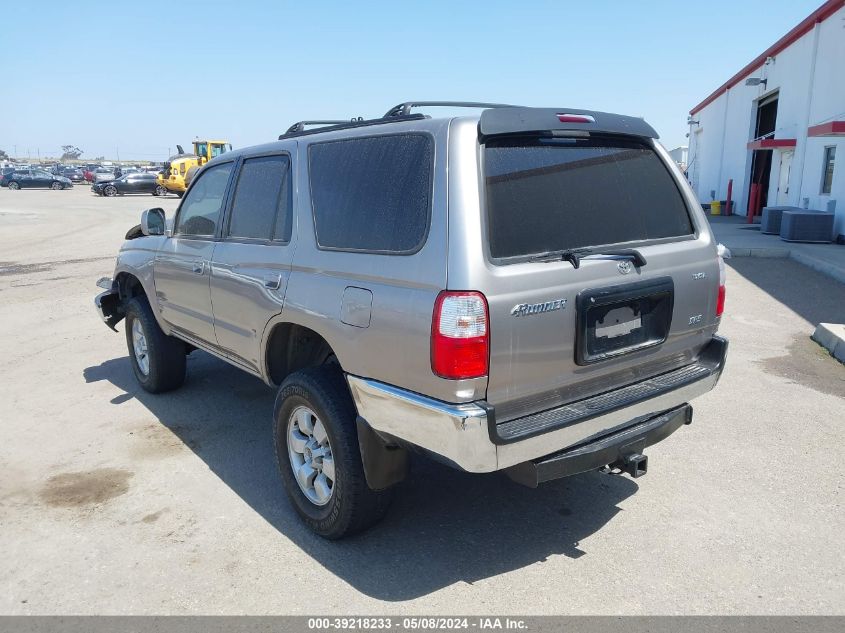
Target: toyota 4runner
<point x="528" y="290"/>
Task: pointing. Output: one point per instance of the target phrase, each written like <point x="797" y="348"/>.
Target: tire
<point x="109" y="190"/>
<point x="14" y="186"/>
<point x="163" y="357"/>
<point x="352" y="506"/>
<point x="160" y="191"/>
<point x="56" y="186"/>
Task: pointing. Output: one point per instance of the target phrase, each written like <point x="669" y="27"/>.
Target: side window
<point x="827" y="169"/>
<point x="200" y="209"/>
<point x="262" y="207"/>
<point x="372" y="194"/>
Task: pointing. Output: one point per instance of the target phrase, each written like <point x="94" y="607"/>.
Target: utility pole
<point x="117" y="151"/>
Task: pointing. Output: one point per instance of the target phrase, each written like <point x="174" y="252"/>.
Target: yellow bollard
<point x="716" y="208"/>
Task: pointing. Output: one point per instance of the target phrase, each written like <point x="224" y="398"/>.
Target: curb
<point x="817" y="264"/>
<point x="831" y="336"/>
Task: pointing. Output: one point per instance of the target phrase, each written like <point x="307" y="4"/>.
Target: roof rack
<point x="404" y="109"/>
<point x="299" y="126"/>
<point x="298" y="129"/>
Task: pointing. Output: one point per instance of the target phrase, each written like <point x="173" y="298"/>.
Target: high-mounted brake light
<point x="459" y="335"/>
<point x="567" y="117"/>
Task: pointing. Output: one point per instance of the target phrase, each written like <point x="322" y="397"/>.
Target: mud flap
<point x="384" y="465"/>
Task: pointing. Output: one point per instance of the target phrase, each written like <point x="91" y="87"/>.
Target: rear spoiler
<point x="498" y="121"/>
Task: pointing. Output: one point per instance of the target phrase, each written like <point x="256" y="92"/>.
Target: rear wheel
<point x="316" y="443"/>
<point x="158" y="360"/>
<point x="14" y="186"/>
<point x="160" y="191"/>
<point x="110" y="190"/>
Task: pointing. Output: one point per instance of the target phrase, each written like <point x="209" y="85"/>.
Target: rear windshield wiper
<point x="635" y="255"/>
<point x="573" y="256"/>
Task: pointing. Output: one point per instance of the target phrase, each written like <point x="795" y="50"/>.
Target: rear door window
<point x="372" y="194"/>
<point x="262" y="206"/>
<point x="552" y="194"/>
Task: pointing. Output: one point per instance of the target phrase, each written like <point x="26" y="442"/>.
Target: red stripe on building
<point x="771" y="143"/>
<point x="819" y="15"/>
<point x="831" y="128"/>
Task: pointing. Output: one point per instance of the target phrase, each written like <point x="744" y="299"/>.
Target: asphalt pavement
<point x="114" y="501"/>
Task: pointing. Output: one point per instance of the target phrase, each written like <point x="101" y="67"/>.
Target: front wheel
<point x="316" y="443"/>
<point x="160" y="191"/>
<point x="56" y="186"/>
<point x="110" y="190"/>
<point x="158" y="360"/>
<point x="14" y="186"/>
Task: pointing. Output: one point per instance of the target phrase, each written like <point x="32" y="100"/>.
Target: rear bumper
<point x="612" y="449"/>
<point x="468" y="436"/>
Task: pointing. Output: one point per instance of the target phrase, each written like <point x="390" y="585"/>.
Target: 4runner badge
<point x="526" y="309"/>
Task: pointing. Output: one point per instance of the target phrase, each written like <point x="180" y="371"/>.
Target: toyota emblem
<point x="624" y="267"/>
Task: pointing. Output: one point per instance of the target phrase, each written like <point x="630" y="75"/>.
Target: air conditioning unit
<point x="770" y="223"/>
<point x="807" y="225"/>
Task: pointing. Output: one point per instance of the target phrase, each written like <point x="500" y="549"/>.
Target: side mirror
<point x="153" y="222"/>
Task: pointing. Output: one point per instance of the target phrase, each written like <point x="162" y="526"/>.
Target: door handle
<point x="199" y="267"/>
<point x="272" y="282"/>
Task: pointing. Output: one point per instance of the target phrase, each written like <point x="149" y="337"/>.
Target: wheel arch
<point x="133" y="282"/>
<point x="289" y="347"/>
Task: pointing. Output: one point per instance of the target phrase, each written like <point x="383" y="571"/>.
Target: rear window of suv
<point x="553" y="194"/>
<point x="372" y="194"/>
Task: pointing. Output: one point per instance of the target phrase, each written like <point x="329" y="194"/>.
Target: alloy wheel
<point x="139" y="346"/>
<point x="310" y="455"/>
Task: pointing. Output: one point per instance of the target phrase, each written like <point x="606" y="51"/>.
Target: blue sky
<point x="137" y="78"/>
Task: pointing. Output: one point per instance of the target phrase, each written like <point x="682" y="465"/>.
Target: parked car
<point x="88" y="171"/>
<point x="74" y="174"/>
<point x="36" y="178"/>
<point x="130" y="183"/>
<point x="6" y="171"/>
<point x="529" y="290"/>
<point x="103" y="174"/>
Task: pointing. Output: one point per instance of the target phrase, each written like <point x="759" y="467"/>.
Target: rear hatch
<point x="601" y="273"/>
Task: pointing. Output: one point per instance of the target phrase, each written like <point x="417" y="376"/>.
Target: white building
<point x="680" y="155"/>
<point x="777" y="126"/>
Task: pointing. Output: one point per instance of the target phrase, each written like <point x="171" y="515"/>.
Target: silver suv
<point x="528" y="290"/>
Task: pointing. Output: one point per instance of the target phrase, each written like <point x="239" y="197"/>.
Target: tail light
<point x="459" y="335"/>
<point x="720" y="299"/>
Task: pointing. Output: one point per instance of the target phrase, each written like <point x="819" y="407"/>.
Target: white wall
<point x="808" y="94"/>
<point x="827" y="104"/>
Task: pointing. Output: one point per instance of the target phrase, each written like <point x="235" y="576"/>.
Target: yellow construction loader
<point x="180" y="168"/>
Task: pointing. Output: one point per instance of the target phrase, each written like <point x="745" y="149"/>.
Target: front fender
<point x="136" y="258"/>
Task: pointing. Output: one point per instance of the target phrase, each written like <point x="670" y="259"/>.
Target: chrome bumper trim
<point x="459" y="432"/>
